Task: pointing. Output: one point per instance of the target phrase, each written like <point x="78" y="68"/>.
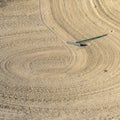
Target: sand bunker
<point x="42" y="77"/>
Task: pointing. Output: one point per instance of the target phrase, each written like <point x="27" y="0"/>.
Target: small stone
<point x="105" y="70"/>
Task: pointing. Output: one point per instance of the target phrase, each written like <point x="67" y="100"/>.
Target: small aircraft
<point x="81" y="43"/>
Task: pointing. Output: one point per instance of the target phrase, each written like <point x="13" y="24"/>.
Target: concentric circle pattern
<point x="42" y="77"/>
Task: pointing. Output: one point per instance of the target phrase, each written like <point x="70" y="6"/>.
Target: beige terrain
<point x="42" y="77"/>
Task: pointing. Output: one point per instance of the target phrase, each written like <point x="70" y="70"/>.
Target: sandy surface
<point x="42" y="77"/>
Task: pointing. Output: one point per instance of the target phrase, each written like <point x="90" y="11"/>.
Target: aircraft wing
<point x="85" y="40"/>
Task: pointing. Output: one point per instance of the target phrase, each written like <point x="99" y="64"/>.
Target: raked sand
<point x="44" y="78"/>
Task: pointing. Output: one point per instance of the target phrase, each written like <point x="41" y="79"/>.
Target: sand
<point x="44" y="78"/>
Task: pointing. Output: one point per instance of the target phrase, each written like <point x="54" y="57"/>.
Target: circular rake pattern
<point x="41" y="77"/>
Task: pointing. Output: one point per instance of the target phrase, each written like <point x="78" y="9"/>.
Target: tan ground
<point x="42" y="77"/>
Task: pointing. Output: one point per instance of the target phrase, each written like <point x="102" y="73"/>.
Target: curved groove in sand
<point x="40" y="73"/>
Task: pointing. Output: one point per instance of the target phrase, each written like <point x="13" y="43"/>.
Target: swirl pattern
<point x="41" y="77"/>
